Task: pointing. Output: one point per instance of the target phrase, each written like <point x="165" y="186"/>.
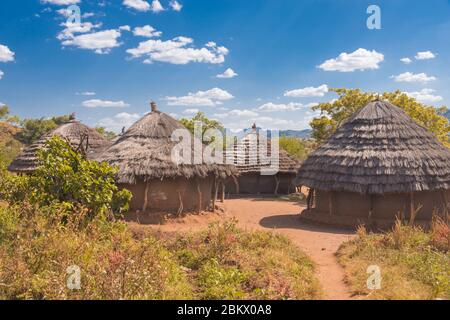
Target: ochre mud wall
<point x="386" y="206"/>
<point x="164" y="195"/>
<point x="253" y="183"/>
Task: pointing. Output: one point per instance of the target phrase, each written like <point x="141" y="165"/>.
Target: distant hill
<point x="303" y="134"/>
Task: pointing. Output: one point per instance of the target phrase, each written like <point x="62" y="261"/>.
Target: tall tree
<point x="205" y="122"/>
<point x="33" y="129"/>
<point x="334" y="113"/>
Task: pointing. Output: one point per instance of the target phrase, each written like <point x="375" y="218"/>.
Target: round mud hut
<point x="159" y="184"/>
<point x="255" y="174"/>
<point x="379" y="165"/>
<point x="80" y="137"/>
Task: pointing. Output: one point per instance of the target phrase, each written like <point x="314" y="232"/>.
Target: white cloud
<point x="425" y="55"/>
<point x="119" y="121"/>
<point x="97" y="103"/>
<point x="191" y="111"/>
<point x="292" y="106"/>
<point x="178" y="51"/>
<point x="139" y="5"/>
<point x="6" y="55"/>
<point x="125" y="28"/>
<point x="413" y="77"/>
<point x="360" y="59"/>
<point x="65" y="12"/>
<point x="307" y="92"/>
<point x="209" y="98"/>
<point x="228" y="74"/>
<point x="86" y="93"/>
<point x="101" y="42"/>
<point x="242" y="113"/>
<point x="146" y="31"/>
<point x="61" y="2"/>
<point x="406" y="60"/>
<point x="175" y="5"/>
<point x="72" y="28"/>
<point x="1" y="74"/>
<point x="156" y="6"/>
<point x="425" y="96"/>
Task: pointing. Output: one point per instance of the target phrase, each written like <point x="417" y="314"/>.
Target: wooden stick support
<point x="144" y="207"/>
<point x="222" y="194"/>
<point x="277" y="184"/>
<point x="200" y="197"/>
<point x="181" y="207"/>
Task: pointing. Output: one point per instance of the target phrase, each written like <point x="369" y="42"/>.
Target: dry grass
<point x="222" y="262"/>
<point x="414" y="264"/>
<point x="228" y="263"/>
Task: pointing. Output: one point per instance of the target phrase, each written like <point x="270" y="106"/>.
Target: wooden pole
<point x="236" y="183"/>
<point x="222" y="195"/>
<point x="277" y="181"/>
<point x="200" y="198"/>
<point x="181" y="207"/>
<point x="216" y="187"/>
<point x="144" y="207"/>
<point x="308" y="199"/>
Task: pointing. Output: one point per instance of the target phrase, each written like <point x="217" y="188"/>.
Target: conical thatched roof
<point x="144" y="152"/>
<point x="380" y="149"/>
<point x="245" y="155"/>
<point x="75" y="133"/>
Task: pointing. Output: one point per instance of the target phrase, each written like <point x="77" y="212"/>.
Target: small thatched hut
<point x="79" y="136"/>
<point x="255" y="174"/>
<point x="378" y="165"/>
<point x="143" y="155"/>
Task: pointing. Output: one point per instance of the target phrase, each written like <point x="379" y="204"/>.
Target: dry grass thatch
<point x="78" y="135"/>
<point x="245" y="154"/>
<point x="380" y="149"/>
<point x="144" y="152"/>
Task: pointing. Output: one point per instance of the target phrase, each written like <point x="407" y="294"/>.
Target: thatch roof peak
<point x="144" y="152"/>
<point x="379" y="149"/>
<point x="74" y="132"/>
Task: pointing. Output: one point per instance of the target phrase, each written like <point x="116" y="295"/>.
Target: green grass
<point x="414" y="264"/>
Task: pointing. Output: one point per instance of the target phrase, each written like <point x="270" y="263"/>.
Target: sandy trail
<point x="320" y="243"/>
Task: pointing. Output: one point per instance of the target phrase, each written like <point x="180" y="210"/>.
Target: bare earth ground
<point x="319" y="242"/>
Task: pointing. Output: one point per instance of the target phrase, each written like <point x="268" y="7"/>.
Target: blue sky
<point x="238" y="61"/>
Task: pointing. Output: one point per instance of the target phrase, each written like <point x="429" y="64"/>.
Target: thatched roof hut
<point x="143" y="155"/>
<point x="379" y="164"/>
<point x="256" y="174"/>
<point x="81" y="137"/>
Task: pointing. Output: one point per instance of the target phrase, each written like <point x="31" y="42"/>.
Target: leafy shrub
<point x="64" y="176"/>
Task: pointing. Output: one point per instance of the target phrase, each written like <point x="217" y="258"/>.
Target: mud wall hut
<point x="255" y="175"/>
<point x="80" y="137"/>
<point x="379" y="165"/>
<point x="143" y="155"/>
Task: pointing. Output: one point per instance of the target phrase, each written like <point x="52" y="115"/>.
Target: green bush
<point x="64" y="176"/>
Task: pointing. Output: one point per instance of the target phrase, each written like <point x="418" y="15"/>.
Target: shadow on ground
<point x="293" y="221"/>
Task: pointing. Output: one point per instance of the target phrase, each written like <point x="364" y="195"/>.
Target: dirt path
<point x="320" y="243"/>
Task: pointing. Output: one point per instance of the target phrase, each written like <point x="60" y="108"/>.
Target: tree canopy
<point x="33" y="129"/>
<point x="335" y="112"/>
